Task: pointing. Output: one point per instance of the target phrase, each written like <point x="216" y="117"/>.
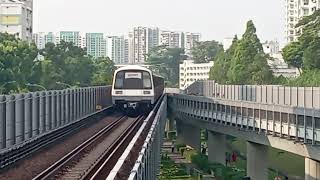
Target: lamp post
<point x="36" y="85"/>
<point x="65" y="84"/>
<point x="3" y="85"/>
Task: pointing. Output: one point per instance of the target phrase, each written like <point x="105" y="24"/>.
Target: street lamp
<point x="36" y="85"/>
<point x="65" y="84"/>
<point x="6" y="83"/>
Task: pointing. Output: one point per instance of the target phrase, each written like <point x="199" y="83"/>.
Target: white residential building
<point x="130" y="48"/>
<point x="70" y="36"/>
<point x="171" y="39"/>
<point x="144" y="39"/>
<point x="271" y="47"/>
<point x="96" y="45"/>
<point x="140" y="44"/>
<point x="190" y="72"/>
<point x="116" y="49"/>
<point x="279" y="67"/>
<point x="189" y="40"/>
<point x="42" y="38"/>
<point x="17" y="18"/>
<point x="153" y="38"/>
<point x="295" y="11"/>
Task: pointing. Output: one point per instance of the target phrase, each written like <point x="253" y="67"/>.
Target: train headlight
<point x="118" y="92"/>
<point x="146" y="92"/>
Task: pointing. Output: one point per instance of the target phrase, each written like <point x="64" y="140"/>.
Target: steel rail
<point x="55" y="168"/>
<point x="10" y="156"/>
<point x="105" y="165"/>
<point x="127" y="160"/>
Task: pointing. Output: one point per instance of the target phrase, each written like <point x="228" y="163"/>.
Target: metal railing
<point x="307" y="97"/>
<point x="24" y="117"/>
<point x="147" y="165"/>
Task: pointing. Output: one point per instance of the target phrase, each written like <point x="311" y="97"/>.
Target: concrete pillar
<point x="217" y="147"/>
<point x="257" y="161"/>
<point x="189" y="135"/>
<point x="169" y="125"/>
<point x="312" y="169"/>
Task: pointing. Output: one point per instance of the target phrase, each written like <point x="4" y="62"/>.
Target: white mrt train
<point x="136" y="88"/>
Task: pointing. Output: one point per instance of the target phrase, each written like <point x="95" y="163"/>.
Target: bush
<point x="201" y="161"/>
<point x="172" y="135"/>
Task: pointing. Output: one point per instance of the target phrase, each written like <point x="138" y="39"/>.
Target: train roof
<point x="133" y="67"/>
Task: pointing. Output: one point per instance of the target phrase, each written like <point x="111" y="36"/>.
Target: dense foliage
<point x="165" y="62"/>
<point x="206" y="51"/>
<point x="18" y="65"/>
<point x="244" y="62"/>
<point x="22" y="63"/>
<point x="305" y="53"/>
<point x="170" y="170"/>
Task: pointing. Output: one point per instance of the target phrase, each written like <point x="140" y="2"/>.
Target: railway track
<point x="95" y="158"/>
<point x="10" y="156"/>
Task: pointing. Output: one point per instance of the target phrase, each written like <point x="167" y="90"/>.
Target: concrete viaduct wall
<point x="287" y="128"/>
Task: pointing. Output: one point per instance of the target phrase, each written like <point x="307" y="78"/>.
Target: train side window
<point x="146" y="80"/>
<point x="119" y="80"/>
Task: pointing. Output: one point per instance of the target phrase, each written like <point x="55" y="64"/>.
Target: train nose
<point x="132" y="105"/>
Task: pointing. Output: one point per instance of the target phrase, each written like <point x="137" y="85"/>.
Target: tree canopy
<point x="17" y="63"/>
<point x="65" y="63"/>
<point x="165" y="62"/>
<point x="305" y="53"/>
<point x="244" y="62"/>
<point x="206" y="51"/>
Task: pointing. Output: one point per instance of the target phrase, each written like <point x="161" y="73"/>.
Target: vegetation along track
<point x="105" y="147"/>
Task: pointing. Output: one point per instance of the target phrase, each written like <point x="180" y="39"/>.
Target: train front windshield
<point x="133" y="80"/>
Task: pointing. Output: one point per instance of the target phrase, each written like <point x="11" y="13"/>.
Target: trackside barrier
<point x="306" y="97"/>
<point x="24" y="117"/>
<point x="147" y="165"/>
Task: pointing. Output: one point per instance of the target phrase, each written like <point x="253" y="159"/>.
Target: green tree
<point x="103" y="71"/>
<point x="222" y="64"/>
<point x="304" y="54"/>
<point x="311" y="54"/>
<point x="165" y="62"/>
<point x="17" y="63"/>
<point x="244" y="62"/>
<point x="66" y="63"/>
<point x="293" y="54"/>
<point x="206" y="51"/>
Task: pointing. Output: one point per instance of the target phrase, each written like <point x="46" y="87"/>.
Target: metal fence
<point x="147" y="165"/>
<point x="307" y="97"/>
<point x="27" y="116"/>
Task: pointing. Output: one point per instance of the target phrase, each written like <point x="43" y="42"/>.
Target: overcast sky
<point x="214" y="19"/>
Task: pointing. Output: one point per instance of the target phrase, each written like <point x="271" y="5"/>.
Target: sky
<point x="214" y="19"/>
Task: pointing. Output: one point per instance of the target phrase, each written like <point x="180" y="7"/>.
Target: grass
<point x="280" y="160"/>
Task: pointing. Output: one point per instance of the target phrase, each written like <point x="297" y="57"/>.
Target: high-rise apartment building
<point x="96" y="45"/>
<point x="116" y="49"/>
<point x="144" y="39"/>
<point x="189" y="40"/>
<point x="70" y="36"/>
<point x="17" y="18"/>
<point x="295" y="11"/>
<point x="140" y="44"/>
<point x="42" y="38"/>
<point x="153" y="38"/>
<point x="171" y="39"/>
<point x="130" y="48"/>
